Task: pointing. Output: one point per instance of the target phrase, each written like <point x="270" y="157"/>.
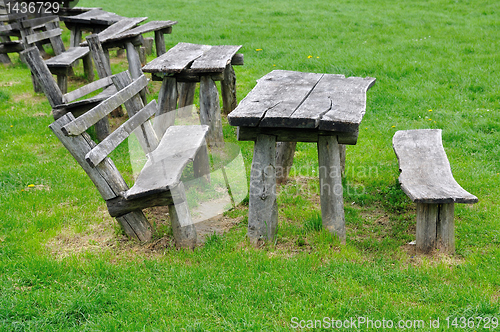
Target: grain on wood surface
<point x="331" y="190"/>
<point x="117" y="28"/>
<point x="284" y="160"/>
<point x="263" y="210"/>
<point x="228" y="90"/>
<point x="427" y="215"/>
<point x="136" y="225"/>
<point x="167" y="103"/>
<point x="426" y="175"/>
<point x="141" y="29"/>
<point x="176" y="59"/>
<point x="119" y="206"/>
<point x="83" y="122"/>
<point x="445" y="228"/>
<point x="67" y="58"/>
<point x="295" y="134"/>
<point x="39" y="36"/>
<point x="215" y="59"/>
<point x="210" y="112"/>
<point x="182" y="224"/>
<point x="100" y="59"/>
<point x="104" y="148"/>
<point x="164" y="167"/>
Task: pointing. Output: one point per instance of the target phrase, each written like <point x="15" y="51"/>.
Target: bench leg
<point x="331" y="190"/>
<point x="435" y="227"/>
<point x="210" y="111"/>
<point x="201" y="164"/>
<point x="284" y="160"/>
<point x="160" y="43"/>
<point x="186" y="93"/>
<point x="136" y="225"/>
<point x="263" y="209"/>
<point x="135" y="67"/>
<point x="182" y="224"/>
<point x="76" y="37"/>
<point x="62" y="82"/>
<point x="228" y="90"/>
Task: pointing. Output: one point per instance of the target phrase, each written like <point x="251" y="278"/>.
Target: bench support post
<point x="228" y="90"/>
<point x="435" y="227"/>
<point x="284" y="160"/>
<point x="331" y="190"/>
<point x="182" y="224"/>
<point x="263" y="210"/>
<point x="210" y="111"/>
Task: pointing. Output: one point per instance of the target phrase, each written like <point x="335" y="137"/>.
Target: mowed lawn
<point x="66" y="266"/>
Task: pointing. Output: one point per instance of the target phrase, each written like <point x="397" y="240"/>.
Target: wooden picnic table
<point x="95" y="21"/>
<point x="191" y="63"/>
<point x="288" y="106"/>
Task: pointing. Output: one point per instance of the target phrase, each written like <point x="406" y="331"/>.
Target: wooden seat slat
<point x="65" y="59"/>
<point x="104" y="148"/>
<point x="39" y="36"/>
<point x="162" y="172"/>
<point x="87" y="120"/>
<point x="426" y="175"/>
<point x="147" y="27"/>
<point x="215" y="59"/>
<point x="85" y="90"/>
<point x="117" y="28"/>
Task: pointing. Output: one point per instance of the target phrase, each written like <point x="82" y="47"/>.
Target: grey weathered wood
<point x="148" y="44"/>
<point x="101" y="61"/>
<point x="142" y="55"/>
<point x="167" y="103"/>
<point x="40" y="70"/>
<point x="186" y="94"/>
<point x="263" y="210"/>
<point x="163" y="169"/>
<point x="201" y="164"/>
<point x="117" y="28"/>
<point x="160" y="43"/>
<point x="182" y="224"/>
<point x="134" y="66"/>
<point x="228" y="90"/>
<point x="86" y="89"/>
<point x="145" y="28"/>
<point x="62" y="82"/>
<point x="176" y="59"/>
<point x="75" y="37"/>
<point x="238" y="59"/>
<point x="146" y="136"/>
<point x="331" y="190"/>
<point x="427" y="215"/>
<point x="65" y="59"/>
<point x="91" y="117"/>
<point x="56" y="41"/>
<point x="136" y="225"/>
<point x="445" y="229"/>
<point x="304" y="100"/>
<point x="119" y="206"/>
<point x="88" y="68"/>
<point x="425" y="170"/>
<point x="294" y="134"/>
<point x="105" y="176"/>
<point x="216" y="58"/>
<point x="210" y="112"/>
<point x="43" y="35"/>
<point x="104" y="148"/>
<point x="284" y="160"/>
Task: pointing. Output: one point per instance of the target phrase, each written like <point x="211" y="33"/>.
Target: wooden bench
<point x="427" y="179"/>
<point x="71" y="102"/>
<point x="61" y="64"/>
<point x="159" y="181"/>
<point x="9" y="28"/>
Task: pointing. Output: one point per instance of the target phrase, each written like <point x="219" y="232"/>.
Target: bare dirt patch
<point x="28" y="98"/>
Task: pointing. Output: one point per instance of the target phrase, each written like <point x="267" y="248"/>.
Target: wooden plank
<point x="160" y="43"/>
<point x="215" y="59"/>
<point x="136" y="226"/>
<point x="228" y="90"/>
<point x="147" y="137"/>
<point x="263" y="209"/>
<point x="275" y="96"/>
<point x="119" y="206"/>
<point x="145" y="28"/>
<point x="99" y="56"/>
<point x="91" y="117"/>
<point x="67" y="58"/>
<point x="167" y="104"/>
<point x="284" y="160"/>
<point x="39" y="21"/>
<point x="427" y="216"/>
<point x="85" y="90"/>
<point x="103" y="149"/>
<point x="39" y="36"/>
<point x="164" y="167"/>
<point x="295" y="134"/>
<point x="331" y="190"/>
<point x="56" y="41"/>
<point x="348" y="103"/>
<point x="117" y="28"/>
<point x="42" y="73"/>
<point x="445" y="228"/>
<point x="426" y="175"/>
<point x="182" y="225"/>
<point x="11" y="47"/>
<point x="80" y="107"/>
<point x="105" y="176"/>
<point x="176" y="59"/>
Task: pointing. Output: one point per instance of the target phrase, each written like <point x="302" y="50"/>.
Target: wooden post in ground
<point x="182" y="224"/>
<point x="435" y="228"/>
<point x="167" y="104"/>
<point x="263" y="210"/>
<point x="331" y="190"/>
<point x="210" y="111"/>
<point x="284" y="160"/>
<point x="228" y="90"/>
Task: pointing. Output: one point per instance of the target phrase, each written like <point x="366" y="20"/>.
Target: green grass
<point x="65" y="265"/>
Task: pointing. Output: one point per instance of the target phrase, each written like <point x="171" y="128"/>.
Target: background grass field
<point x="64" y="264"/>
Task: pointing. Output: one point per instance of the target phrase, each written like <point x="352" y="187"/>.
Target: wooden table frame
<point x="288" y="106"/>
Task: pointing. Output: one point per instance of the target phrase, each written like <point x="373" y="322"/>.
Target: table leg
<point x="135" y="67"/>
<point x="284" y="160"/>
<point x="228" y="90"/>
<point x="167" y="103"/>
<point x="160" y="43"/>
<point x="75" y="37"/>
<point x="182" y="224"/>
<point x="263" y="209"/>
<point x="186" y="93"/>
<point x="210" y="111"/>
<point x="330" y="182"/>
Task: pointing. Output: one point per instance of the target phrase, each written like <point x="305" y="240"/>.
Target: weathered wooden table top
<point x="193" y="58"/>
<point x="296" y="100"/>
<point x="94" y="16"/>
<point x="116" y="29"/>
